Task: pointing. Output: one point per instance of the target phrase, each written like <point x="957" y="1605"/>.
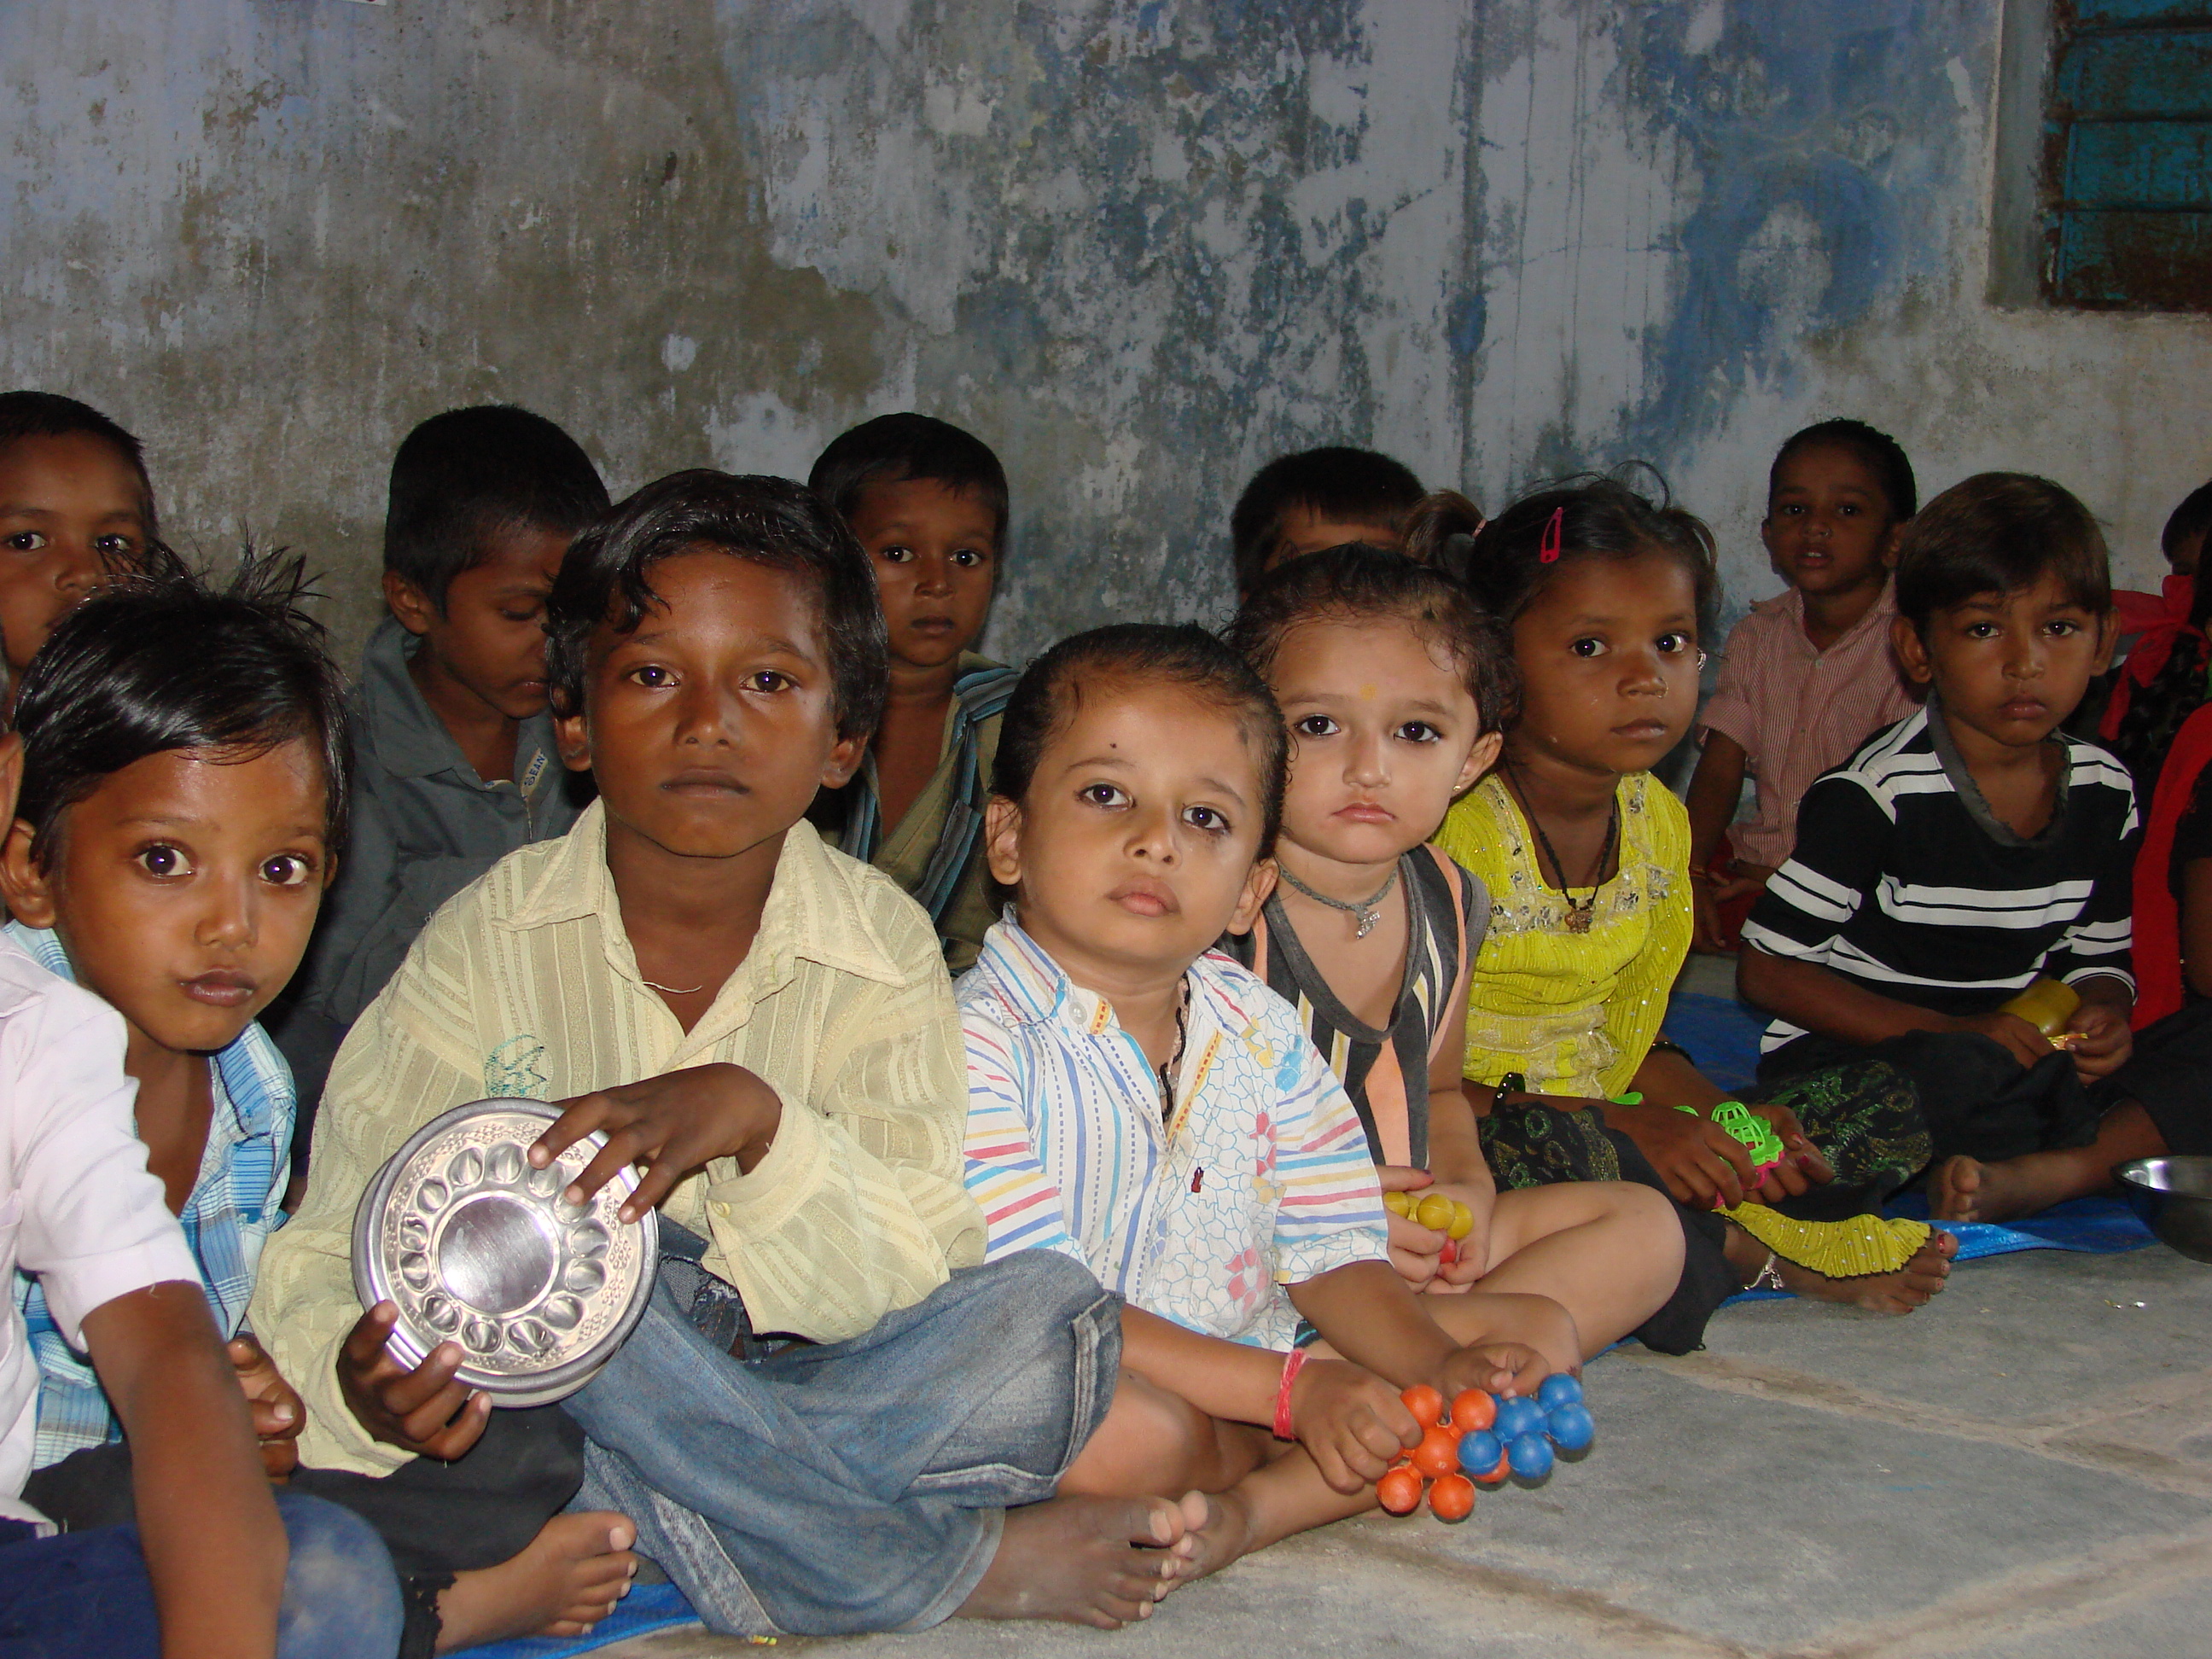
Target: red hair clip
<point x="1549" y="554"/>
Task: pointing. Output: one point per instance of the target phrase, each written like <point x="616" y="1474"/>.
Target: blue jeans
<point x="86" y="1595"/>
<point x="848" y="1486"/>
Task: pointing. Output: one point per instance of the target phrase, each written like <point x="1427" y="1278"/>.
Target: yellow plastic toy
<point x="2047" y="1005"/>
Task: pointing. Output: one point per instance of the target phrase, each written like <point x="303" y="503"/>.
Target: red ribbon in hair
<point x="1553" y="532"/>
<point x="2161" y="623"/>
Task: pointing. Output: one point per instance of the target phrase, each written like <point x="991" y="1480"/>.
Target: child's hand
<point x="1415" y="1250"/>
<point x="2098" y="1036"/>
<point x="2022" y="1041"/>
<point x="1703" y="1164"/>
<point x="1802" y="1167"/>
<point x="1351" y="1421"/>
<point x="1707" y="896"/>
<point x="279" y="1414"/>
<point x="1467" y="1259"/>
<point x="424" y="1411"/>
<point x="1495" y="1368"/>
<point x="672" y="1124"/>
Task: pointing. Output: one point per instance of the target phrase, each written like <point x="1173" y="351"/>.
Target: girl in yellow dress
<point x="1586" y="856"/>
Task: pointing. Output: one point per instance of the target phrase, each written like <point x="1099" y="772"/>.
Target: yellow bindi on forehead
<point x="1367" y="694"/>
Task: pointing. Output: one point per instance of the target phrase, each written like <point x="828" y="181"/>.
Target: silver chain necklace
<point x="1369" y="912"/>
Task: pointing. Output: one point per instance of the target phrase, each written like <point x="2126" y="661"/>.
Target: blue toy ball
<point x="1516" y="1417"/>
<point x="1559" y="1388"/>
<point x="1531" y="1454"/>
<point x="1478" y="1451"/>
<point x="1570" y="1427"/>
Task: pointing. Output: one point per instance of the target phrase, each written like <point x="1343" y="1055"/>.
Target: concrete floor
<point x="2023" y="1468"/>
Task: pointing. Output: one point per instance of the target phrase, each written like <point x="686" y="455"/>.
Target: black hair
<point x="1997" y="532"/>
<point x="1355" y="582"/>
<point x="1339" y="483"/>
<point x="1877" y="451"/>
<point x="464" y="476"/>
<point x="153" y="664"/>
<point x="768" y="521"/>
<point x="1181" y="654"/>
<point x="2192" y="518"/>
<point x="1589" y="517"/>
<point x="49" y="415"/>
<point x="901" y="449"/>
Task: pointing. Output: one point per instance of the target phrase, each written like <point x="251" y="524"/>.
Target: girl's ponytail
<point x="1440" y="531"/>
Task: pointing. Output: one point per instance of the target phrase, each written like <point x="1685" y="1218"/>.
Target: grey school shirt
<point x="424" y="826"/>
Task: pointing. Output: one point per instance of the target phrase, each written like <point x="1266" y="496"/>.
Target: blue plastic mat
<point x="646" y="1607"/>
<point x="1721" y="1034"/>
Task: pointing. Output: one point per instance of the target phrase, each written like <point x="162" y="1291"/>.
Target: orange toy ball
<point x="1473" y="1409"/>
<point x="1437" y="1453"/>
<point x="1426" y="1404"/>
<point x="1400" y="1491"/>
<point x="1452" y="1498"/>
<point x="1504" y="1467"/>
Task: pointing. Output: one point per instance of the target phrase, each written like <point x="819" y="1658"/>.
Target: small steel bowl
<point x="476" y="1247"/>
<point x="2173" y="1196"/>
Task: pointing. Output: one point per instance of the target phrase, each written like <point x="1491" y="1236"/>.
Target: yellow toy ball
<point x="1435" y="1211"/>
<point x="1462" y="1221"/>
<point x="1399" y="1204"/>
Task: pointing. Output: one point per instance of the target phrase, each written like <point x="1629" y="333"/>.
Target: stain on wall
<point x="1139" y="247"/>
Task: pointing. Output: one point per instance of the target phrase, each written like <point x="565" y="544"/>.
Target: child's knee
<point x="341" y="1596"/>
<point x="1152" y="1441"/>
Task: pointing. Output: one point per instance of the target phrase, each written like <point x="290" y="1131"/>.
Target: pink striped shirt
<point x="1797" y="711"/>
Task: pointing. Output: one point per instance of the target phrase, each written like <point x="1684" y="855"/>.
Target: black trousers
<point x="437" y="1519"/>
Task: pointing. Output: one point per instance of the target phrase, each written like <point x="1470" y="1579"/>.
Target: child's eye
<point x="26" y="541"/>
<point x="2063" y="626"/>
<point x="968" y="557"/>
<point x="1103" y="794"/>
<point x="768" y="679"/>
<point x="1675" y="643"/>
<point x="1316" y="726"/>
<point x="1205" y="819"/>
<point x="1981" y="630"/>
<point x="163" y="861"/>
<point x="521" y="617"/>
<point x="1588" y="646"/>
<point x="113" y="547"/>
<point x="286" y="869"/>
<point x="652" y="676"/>
<point x="1419" y="731"/>
<point x="896" y="554"/>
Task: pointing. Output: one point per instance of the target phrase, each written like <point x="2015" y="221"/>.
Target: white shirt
<point x="78" y="1207"/>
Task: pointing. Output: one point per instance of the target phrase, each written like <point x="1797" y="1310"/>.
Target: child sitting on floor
<point x="1142" y="1104"/>
<point x="1968" y="851"/>
<point x="768" y="1026"/>
<point x="201" y="1562"/>
<point x="2163" y="681"/>
<point x="928" y="502"/>
<point x="1317" y="499"/>
<point x="1586" y="858"/>
<point x="183" y="801"/>
<point x="1808" y="675"/>
<point x="1395" y="687"/>
<point x="453" y="748"/>
<point x="75" y="508"/>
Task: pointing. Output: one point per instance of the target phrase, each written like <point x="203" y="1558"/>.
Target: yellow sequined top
<point x="1575" y="1013"/>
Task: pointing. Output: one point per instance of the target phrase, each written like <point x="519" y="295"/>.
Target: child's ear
<point x="11" y="774"/>
<point x="1479" y="759"/>
<point x="1002" y="840"/>
<point x="572" y="736"/>
<point x="1259" y="882"/>
<point x="1889" y="544"/>
<point x="29" y="894"/>
<point x="1767" y="536"/>
<point x="844" y="761"/>
<point x="2108" y="639"/>
<point x="1911" y="650"/>
<point x="409" y="604"/>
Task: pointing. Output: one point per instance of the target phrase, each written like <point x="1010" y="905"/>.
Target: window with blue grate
<point x="2126" y="176"/>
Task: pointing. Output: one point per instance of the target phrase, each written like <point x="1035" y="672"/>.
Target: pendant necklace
<point x="1175" y="1059"/>
<point x="674" y="990"/>
<point x="1580" y="913"/>
<point x="1369" y="912"/>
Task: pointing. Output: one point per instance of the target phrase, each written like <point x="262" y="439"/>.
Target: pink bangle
<point x="1293" y="1363"/>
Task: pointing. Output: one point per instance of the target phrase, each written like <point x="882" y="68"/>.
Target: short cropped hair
<point x="49" y="415"/>
<point x="153" y="664"/>
<point x="605" y="580"/>
<point x="1589" y="517"/>
<point x="464" y="476"/>
<point x="1050" y="690"/>
<point x="1354" y="486"/>
<point x="905" y="448"/>
<point x="2192" y="518"/>
<point x="1997" y="532"/>
<point x="1877" y="451"/>
<point x="1358" y="583"/>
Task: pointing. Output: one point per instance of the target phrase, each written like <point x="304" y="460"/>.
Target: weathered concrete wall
<point x="1138" y="247"/>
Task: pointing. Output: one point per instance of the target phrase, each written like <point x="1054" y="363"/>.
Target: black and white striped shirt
<point x="1903" y="882"/>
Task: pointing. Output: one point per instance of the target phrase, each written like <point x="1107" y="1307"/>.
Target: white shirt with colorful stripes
<point x="1260" y="1181"/>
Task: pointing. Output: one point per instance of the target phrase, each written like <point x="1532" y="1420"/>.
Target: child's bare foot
<point x="1967" y="1189"/>
<point x="1099" y="1561"/>
<point x="1223" y="1534"/>
<point x="1911" y="1286"/>
<point x="565" y="1581"/>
